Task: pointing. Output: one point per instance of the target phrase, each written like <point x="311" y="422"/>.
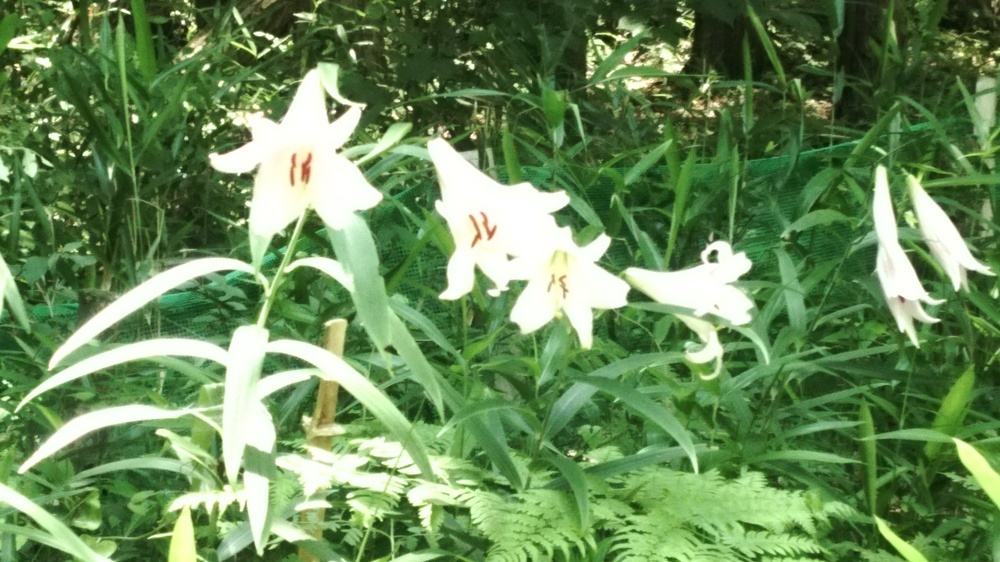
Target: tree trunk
<point x="720" y="27"/>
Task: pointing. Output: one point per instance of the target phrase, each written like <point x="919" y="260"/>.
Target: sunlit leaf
<point x="140" y="296"/>
<point x="985" y="476"/>
<point x="148" y="349"/>
<point x="243" y="367"/>
<point x="62" y="537"/>
<point x="92" y="421"/>
<point x="182" y="544"/>
<point x="363" y="391"/>
<point x="902" y="547"/>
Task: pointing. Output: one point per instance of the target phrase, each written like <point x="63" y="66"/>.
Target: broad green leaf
<point x="681" y="191"/>
<point x="792" y="455"/>
<point x="258" y="472"/>
<point x="793" y="292"/>
<point x="480" y="407"/>
<point x="244" y="363"/>
<point x="510" y="158"/>
<point x="868" y="454"/>
<point x="148" y="349"/>
<point x="408" y="350"/>
<point x="819" y="217"/>
<point x="768" y="45"/>
<point x="573" y="474"/>
<point x="392" y="136"/>
<point x="653" y="412"/>
<point x="356" y="250"/>
<point x="647" y="162"/>
<point x="953" y="409"/>
<point x="61" y="536"/>
<point x="9" y="294"/>
<point x="182" y="544"/>
<point x="140" y="296"/>
<point x="902" y="547"/>
<point x="92" y="421"/>
<point x="616" y="58"/>
<point x="816" y="427"/>
<point x="985" y="476"/>
<point x="423" y="556"/>
<point x="334" y="368"/>
<point x="913" y="434"/>
<point x="8" y="28"/>
<point x="273" y="383"/>
<point x="141" y="464"/>
<point x="425" y="325"/>
<point x="579" y="394"/>
<point x="144" y="51"/>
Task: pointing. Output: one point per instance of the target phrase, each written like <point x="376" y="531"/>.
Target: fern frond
<point x="531" y="525"/>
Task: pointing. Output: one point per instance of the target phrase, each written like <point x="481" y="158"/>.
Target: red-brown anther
<point x="562" y="284"/>
<point x="304" y="172"/>
<point x="490" y="232"/>
<point x="307" y="168"/>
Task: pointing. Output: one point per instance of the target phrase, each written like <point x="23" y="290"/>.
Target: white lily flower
<point x="900" y="284"/>
<point x="488" y="221"/>
<point x="706" y="288"/>
<point x="711" y="350"/>
<point x="566" y="281"/>
<point x="946" y="244"/>
<point x="299" y="166"/>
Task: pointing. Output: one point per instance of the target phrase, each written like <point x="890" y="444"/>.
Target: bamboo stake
<point x="320" y="428"/>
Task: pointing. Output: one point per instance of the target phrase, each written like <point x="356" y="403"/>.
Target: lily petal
<point x="581" y="317"/>
<point x="241" y="160"/>
<point x="533" y="308"/>
<point x="900" y="284"/>
<point x="338" y="188"/>
<point x="943" y="239"/>
<point x="461" y="274"/>
<point x="342" y="128"/>
<point x="308" y="108"/>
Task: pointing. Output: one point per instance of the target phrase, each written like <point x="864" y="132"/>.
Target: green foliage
<point x="455" y="435"/>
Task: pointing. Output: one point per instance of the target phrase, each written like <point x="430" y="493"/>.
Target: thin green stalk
<point x="272" y="290"/>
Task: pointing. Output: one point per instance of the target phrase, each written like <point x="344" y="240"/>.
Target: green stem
<point x="271" y="291"/>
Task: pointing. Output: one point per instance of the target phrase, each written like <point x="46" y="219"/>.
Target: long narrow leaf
<point x="243" y="367"/>
<point x="140" y="296"/>
<point x="92" y="421"/>
<point x="9" y="294"/>
<point x="182" y="545"/>
<point x="902" y="547"/>
<point x="579" y="394"/>
<point x="148" y="349"/>
<point x="358" y="255"/>
<point x="364" y="392"/>
<point x="650" y="410"/>
<point x="985" y="476"/>
<point x="63" y="538"/>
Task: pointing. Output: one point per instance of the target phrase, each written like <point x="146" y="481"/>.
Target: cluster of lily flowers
<point x="508" y="232"/>
<point x="903" y="290"/>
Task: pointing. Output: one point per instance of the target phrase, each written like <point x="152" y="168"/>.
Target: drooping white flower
<point x="943" y="239"/>
<point x="488" y="221"/>
<point x="711" y="349"/>
<point x="900" y="284"/>
<point x="299" y="166"/>
<point x="706" y="288"/>
<point x="566" y="280"/>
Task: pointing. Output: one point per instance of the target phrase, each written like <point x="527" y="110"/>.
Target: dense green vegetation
<point x="170" y="386"/>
